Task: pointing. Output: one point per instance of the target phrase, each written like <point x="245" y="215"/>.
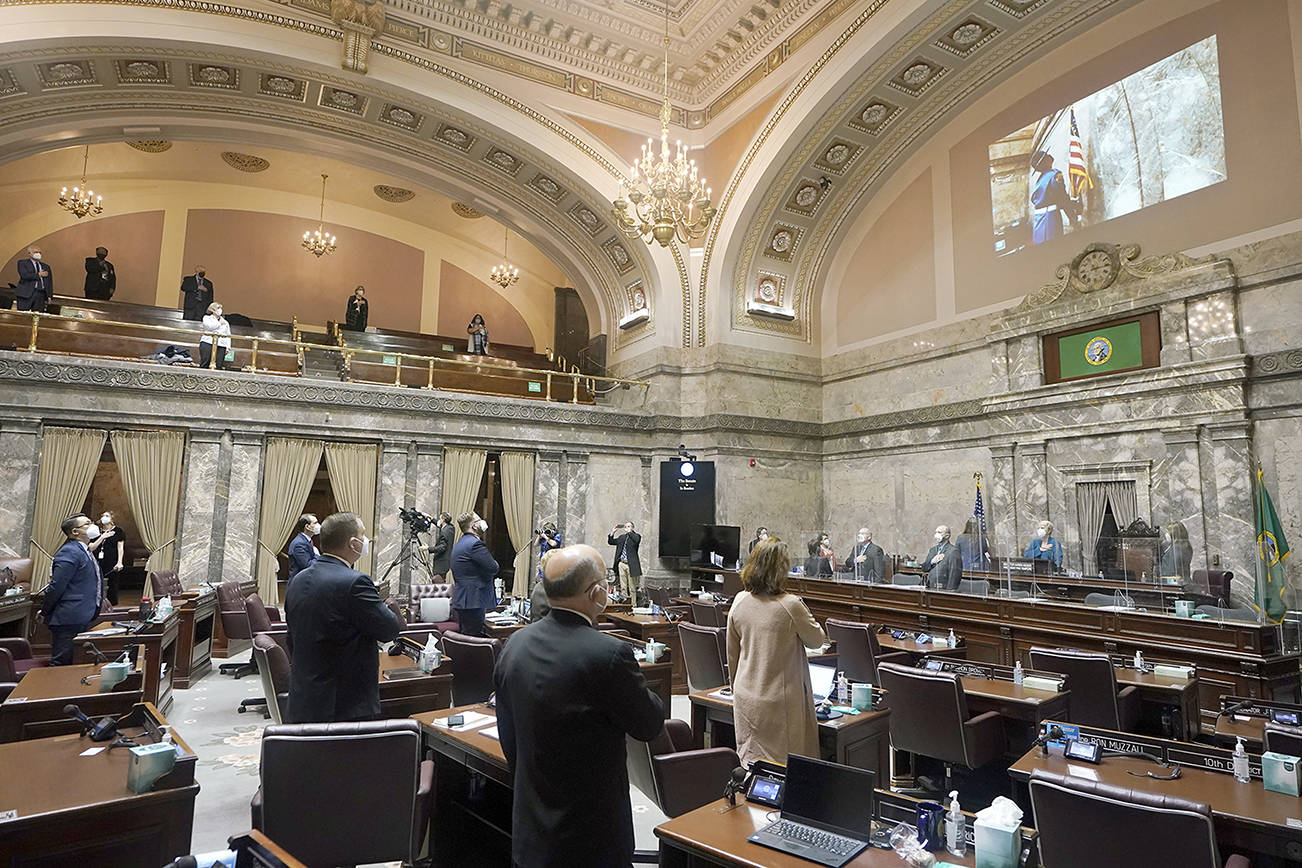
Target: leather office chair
<point x="261" y="620"/>
<point x="658" y="595"/>
<point x="473" y="659"/>
<point x="907" y="579"/>
<point x="708" y="614"/>
<point x="8" y="677"/>
<point x="929" y="717"/>
<point x="1217" y="582"/>
<point x="15" y="572"/>
<point x="20" y="650"/>
<point x="165" y="583"/>
<point x="1282" y="738"/>
<point x="858" y="653"/>
<point x="1127" y="827"/>
<point x="673" y="775"/>
<point x="235" y="624"/>
<point x="705" y="655"/>
<point x="345" y="793"/>
<point x="432" y="591"/>
<point x="1094" y="699"/>
<point x="975" y="587"/>
<point x="1114" y="599"/>
<point x="273" y="666"/>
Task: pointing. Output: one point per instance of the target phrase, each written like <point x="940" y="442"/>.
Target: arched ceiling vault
<point x="68" y="78"/>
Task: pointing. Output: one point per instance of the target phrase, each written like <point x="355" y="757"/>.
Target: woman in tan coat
<point x="768" y="630"/>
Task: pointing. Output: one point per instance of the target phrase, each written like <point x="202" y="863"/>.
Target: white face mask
<point x="863" y="537"/>
<point x="483" y="526"/>
<point x="313" y="529"/>
<point x="1041" y="533"/>
<point x="939" y="537"/>
<point x="605" y="597"/>
<point x="92" y="532"/>
<point x="36" y="256"/>
<point x="106" y="520"/>
<point x="366" y="547"/>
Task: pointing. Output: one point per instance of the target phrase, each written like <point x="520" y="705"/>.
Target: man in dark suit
<point x="442" y="548"/>
<point x="335" y="620"/>
<point x="197" y="290"/>
<point x="101" y="279"/>
<point x="473" y="571"/>
<point x="867" y="560"/>
<point x="944" y="562"/>
<point x="35" y="281"/>
<point x="302" y="554"/>
<point x="76" y="589"/>
<point x="567" y="696"/>
<point x="627" y="565"/>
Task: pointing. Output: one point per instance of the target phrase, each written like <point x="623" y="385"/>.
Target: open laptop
<point x="823" y="680"/>
<point x="826" y="815"/>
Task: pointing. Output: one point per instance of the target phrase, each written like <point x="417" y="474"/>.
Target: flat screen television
<point x="715" y="545"/>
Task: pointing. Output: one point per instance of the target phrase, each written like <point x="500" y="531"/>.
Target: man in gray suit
<point x="867" y="561"/>
<point x="944" y="562"/>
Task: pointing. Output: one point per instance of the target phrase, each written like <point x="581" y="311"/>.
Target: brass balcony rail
<point x="297" y="347"/>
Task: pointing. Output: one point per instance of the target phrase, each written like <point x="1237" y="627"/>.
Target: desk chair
<point x="675" y="777"/>
<point x="235" y="624"/>
<point x="1097" y="599"/>
<point x="705" y="655"/>
<point x="345" y="793"/>
<point x="858" y="653"/>
<point x="708" y="614"/>
<point x="975" y="587"/>
<point x="473" y="659"/>
<point x="1217" y="582"/>
<point x="20" y="651"/>
<point x="1282" y="738"/>
<point x="273" y="666"/>
<point x="929" y="717"/>
<point x="1094" y="699"/>
<point x="265" y="619"/>
<point x="165" y="583"/>
<point x="8" y="677"/>
<point x="658" y="596"/>
<point x="1126" y="827"/>
<point x="911" y="579"/>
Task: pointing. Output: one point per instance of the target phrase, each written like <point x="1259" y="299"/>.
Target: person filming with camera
<point x="627" y="565"/>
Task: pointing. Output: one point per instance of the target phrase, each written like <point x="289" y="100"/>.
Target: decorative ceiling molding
<point x="245" y="162"/>
<point x="150" y="146"/>
<point x="393" y="194"/>
<point x="461" y="209"/>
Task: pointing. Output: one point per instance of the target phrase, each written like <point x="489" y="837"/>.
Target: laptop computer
<point x="826" y="814"/>
<point x="823" y="680"/>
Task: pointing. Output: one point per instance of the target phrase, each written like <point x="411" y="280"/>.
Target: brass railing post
<point x="397" y="371"/>
<point x="212" y="358"/>
<point x="549" y="385"/>
<point x="430" y="384"/>
<point x="253" y="363"/>
<point x="36" y="321"/>
<point x="574" y="398"/>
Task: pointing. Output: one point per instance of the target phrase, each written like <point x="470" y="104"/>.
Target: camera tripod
<point x="412" y="552"/>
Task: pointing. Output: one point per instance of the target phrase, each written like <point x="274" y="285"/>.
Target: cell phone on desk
<point x="457" y="720"/>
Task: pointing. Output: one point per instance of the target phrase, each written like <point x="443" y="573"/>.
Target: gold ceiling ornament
<point x="461" y="209"/>
<point x="361" y="21"/>
<point x="82" y="201"/>
<point x="319" y="242"/>
<point x="504" y="274"/>
<point x="669" y="199"/>
<point x="150" y="146"/>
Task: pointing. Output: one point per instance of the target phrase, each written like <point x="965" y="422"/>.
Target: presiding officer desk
<point x="71" y="809"/>
<point x="1232" y="657"/>
<point x="1247" y="817"/>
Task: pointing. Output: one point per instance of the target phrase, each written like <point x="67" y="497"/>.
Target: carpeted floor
<point x="228" y="746"/>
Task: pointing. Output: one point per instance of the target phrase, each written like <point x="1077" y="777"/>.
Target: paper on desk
<point x="721" y="694"/>
<point x="107" y="631"/>
<point x="473" y="719"/>
<point x="1082" y="772"/>
<point x="491" y="732"/>
<point x="91" y="751"/>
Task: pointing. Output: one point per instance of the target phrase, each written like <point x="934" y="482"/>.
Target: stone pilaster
<point x="1228" y="495"/>
<point x="1178" y="490"/>
<point x="1030" y="472"/>
<point x="1214" y="326"/>
<point x="1025" y="363"/>
<point x="20" y="445"/>
<point x="574" y="497"/>
<point x="198" y="506"/>
<point x="1174" y="324"/>
<point x="429" y="478"/>
<point x="1001" y="501"/>
<point x="239" y="547"/>
<point x="391" y="493"/>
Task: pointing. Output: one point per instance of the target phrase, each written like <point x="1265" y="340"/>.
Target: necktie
<point x="99" y="582"/>
<point x="40" y="280"/>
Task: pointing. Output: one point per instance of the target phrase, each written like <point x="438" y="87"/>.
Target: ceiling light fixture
<point x="504" y="274"/>
<point x="319" y="242"/>
<point x="669" y="199"/>
<point x="82" y="201"/>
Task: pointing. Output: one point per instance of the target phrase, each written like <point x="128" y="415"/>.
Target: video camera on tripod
<point x="416" y="521"/>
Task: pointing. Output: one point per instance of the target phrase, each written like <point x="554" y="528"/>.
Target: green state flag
<point x="1272" y="549"/>
<point x="1100" y="351"/>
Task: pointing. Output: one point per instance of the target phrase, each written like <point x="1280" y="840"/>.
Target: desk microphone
<point x="103" y="730"/>
<point x="735" y="785"/>
<point x="89" y="648"/>
<point x="1051" y="733"/>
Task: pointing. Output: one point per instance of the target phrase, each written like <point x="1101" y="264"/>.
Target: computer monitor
<point x="715" y="545"/>
<point x="822" y="678"/>
<point x="833" y="797"/>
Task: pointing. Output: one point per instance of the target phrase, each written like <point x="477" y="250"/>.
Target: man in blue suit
<point x="35" y="281"/>
<point x="302" y="554"/>
<point x="76" y="589"/>
<point x="473" y="571"/>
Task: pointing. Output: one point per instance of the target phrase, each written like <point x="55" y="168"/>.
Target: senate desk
<point x="35" y="707"/>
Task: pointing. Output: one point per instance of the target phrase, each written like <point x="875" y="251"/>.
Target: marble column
<point x="1231" y="525"/>
<point x="547" y="500"/>
<point x="1177" y="483"/>
<point x="574" y="494"/>
<point x="391" y="493"/>
<point x="999" y="369"/>
<point x="198" y="503"/>
<point x="1032" y="500"/>
<point x="239" y="547"/>
<point x="19" y="456"/>
<point x="429" y="478"/>
<point x="1001" y="501"/>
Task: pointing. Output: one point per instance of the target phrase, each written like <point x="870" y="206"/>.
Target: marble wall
<point x="19" y="451"/>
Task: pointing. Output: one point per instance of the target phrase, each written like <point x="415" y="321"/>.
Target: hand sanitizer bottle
<point x="953" y="640"/>
<point x="1017" y="673"/>
<point x="842" y="690"/>
<point x="955" y="827"/>
<point x="1139" y="659"/>
<point x="1241" y="773"/>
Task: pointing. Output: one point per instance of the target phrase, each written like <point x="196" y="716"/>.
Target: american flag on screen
<point x="1076" y="171"/>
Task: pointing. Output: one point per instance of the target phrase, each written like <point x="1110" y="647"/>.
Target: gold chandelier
<point x="669" y="199"/>
<point x="82" y="201"/>
<point x="504" y="274"/>
<point x="319" y="242"/>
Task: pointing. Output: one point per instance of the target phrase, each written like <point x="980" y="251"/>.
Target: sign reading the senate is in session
<point x="1128" y="344"/>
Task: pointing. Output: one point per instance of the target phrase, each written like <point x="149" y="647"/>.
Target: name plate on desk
<point x="1168" y="670"/>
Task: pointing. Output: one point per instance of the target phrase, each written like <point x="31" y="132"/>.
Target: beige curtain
<point x="287" y="475"/>
<point x="352" y="468"/>
<point x="1122" y="497"/>
<point x="68" y="460"/>
<point x="517" y="502"/>
<point x="1091" y="504"/>
<point x="463" y="471"/>
<point x="150" y="464"/>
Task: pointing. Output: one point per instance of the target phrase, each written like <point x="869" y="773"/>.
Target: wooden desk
<point x="644" y="627"/>
<point x="502" y="631"/>
<point x="1157" y="692"/>
<point x="35" y="708"/>
<point x="890" y="644"/>
<point x="77" y="810"/>
<point x="861" y="740"/>
<point x="406" y="697"/>
<point x="1229" y="729"/>
<point x="16" y="616"/>
<point x="196" y="624"/>
<point x="158" y="643"/>
<point x="1247" y="816"/>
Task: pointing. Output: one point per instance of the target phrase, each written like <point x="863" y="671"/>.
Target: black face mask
<point x="202" y="273"/>
<point x="101" y="255"/>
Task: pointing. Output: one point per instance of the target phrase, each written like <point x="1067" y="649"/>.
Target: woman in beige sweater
<point x="768" y="630"/>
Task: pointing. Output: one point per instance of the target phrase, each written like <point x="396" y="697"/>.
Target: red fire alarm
<point x="752" y="462"/>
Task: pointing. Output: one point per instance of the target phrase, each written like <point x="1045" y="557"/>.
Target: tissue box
<point x="1281" y="773"/>
<point x="996" y="846"/>
<point x="148" y="763"/>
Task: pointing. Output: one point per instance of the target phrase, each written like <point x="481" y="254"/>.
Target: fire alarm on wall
<point x="752" y="462"/>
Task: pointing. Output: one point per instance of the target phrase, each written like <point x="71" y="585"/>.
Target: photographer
<point x="442" y="548"/>
<point x="627" y="565"/>
<point x="548" y="538"/>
